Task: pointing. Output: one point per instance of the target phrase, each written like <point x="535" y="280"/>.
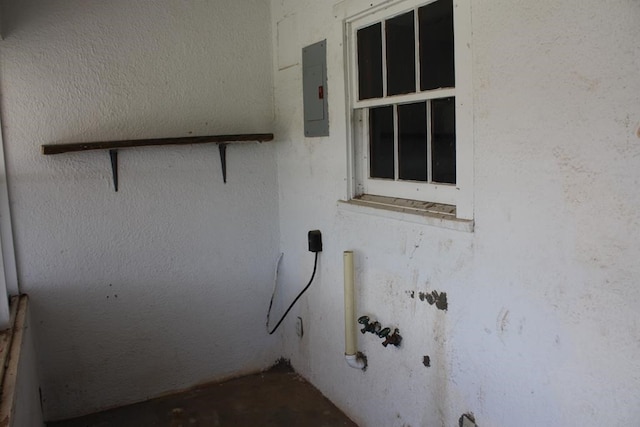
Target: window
<point x="410" y="102"/>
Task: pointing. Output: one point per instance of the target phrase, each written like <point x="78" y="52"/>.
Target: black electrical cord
<point x="315" y="265"/>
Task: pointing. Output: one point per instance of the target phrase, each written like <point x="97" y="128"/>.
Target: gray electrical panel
<point x="314" y="89"/>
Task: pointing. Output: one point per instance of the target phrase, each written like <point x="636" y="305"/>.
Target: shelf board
<point x="48" y="149"/>
<point x="114" y="146"/>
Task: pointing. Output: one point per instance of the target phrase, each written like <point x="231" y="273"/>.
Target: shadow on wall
<point x="155" y="339"/>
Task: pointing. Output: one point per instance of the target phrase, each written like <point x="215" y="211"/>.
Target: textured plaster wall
<point x="165" y="283"/>
<point x="542" y="326"/>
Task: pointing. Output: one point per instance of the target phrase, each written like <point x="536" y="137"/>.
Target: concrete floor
<point x="276" y="398"/>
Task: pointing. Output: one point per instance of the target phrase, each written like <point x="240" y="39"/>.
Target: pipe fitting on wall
<point x="373" y="327"/>
<point x="355" y="361"/>
<point x="393" y="339"/>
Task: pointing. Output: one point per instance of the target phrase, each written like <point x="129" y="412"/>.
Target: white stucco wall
<point x="542" y="326"/>
<point x="164" y="284"/>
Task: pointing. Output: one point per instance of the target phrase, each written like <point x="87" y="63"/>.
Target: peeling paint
<point x="435" y="297"/>
<point x="469" y="417"/>
<point x="426" y="361"/>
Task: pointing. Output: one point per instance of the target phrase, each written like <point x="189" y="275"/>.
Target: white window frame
<point x="460" y="194"/>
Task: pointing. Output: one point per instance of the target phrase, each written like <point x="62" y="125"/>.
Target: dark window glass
<point x="370" y="62"/>
<point x="412" y="141"/>
<point x="401" y="54"/>
<point x="443" y="140"/>
<point x="381" y="150"/>
<point x="436" y="45"/>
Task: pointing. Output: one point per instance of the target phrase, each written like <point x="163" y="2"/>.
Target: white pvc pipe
<point x="349" y="310"/>
<point x="350" y="315"/>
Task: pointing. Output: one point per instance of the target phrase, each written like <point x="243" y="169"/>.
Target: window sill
<point x="433" y="214"/>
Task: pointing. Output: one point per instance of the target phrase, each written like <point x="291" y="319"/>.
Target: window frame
<point x="460" y="194"/>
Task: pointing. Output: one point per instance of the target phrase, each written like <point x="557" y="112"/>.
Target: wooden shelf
<point x="48" y="149"/>
<point x="114" y="146"/>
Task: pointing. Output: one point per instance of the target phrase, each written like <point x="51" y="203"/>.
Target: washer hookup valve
<point x="373" y="327"/>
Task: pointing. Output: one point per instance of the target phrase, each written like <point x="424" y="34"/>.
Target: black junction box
<point x="315" y="241"/>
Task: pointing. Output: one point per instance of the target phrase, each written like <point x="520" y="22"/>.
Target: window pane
<point x="381" y="151"/>
<point x="443" y="140"/>
<point x="401" y="56"/>
<point x="436" y="45"/>
<point x="370" y="62"/>
<point x="412" y="141"/>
